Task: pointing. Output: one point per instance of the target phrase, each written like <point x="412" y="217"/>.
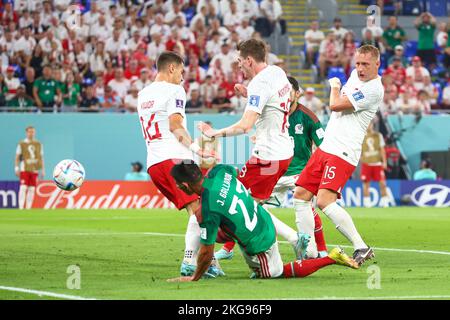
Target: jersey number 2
<point x="250" y="224"/>
<point x="146" y="129"/>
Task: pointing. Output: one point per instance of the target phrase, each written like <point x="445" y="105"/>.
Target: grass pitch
<point x="129" y="254"/>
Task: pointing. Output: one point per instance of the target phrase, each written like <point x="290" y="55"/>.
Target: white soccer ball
<point x="68" y="174"/>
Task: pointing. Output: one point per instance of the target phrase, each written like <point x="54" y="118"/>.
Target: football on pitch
<point x="68" y="175"/>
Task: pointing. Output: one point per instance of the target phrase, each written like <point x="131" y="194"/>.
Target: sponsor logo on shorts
<point x="253" y="101"/>
<point x="179" y="103"/>
<point x="358" y="96"/>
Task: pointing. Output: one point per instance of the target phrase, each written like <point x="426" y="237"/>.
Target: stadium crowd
<point x="416" y="81"/>
<point x="53" y="61"/>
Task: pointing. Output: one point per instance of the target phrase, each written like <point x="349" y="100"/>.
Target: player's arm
<point x="204" y="258"/>
<point x="43" y="164"/>
<point x="17" y="161"/>
<point x="244" y="125"/>
<point x="178" y="130"/>
<point x="338" y="103"/>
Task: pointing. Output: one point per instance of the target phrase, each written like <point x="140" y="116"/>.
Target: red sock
<point x="229" y="246"/>
<point x="318" y="232"/>
<point x="301" y="269"/>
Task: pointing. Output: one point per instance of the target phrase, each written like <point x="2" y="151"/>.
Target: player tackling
<point x="163" y="120"/>
<point x="334" y="161"/>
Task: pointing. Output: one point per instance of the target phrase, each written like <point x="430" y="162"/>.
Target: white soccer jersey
<point x="346" y="130"/>
<point x="156" y="103"/>
<point x="268" y="94"/>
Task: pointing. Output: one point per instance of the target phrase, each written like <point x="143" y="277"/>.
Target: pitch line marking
<point x="45" y="293"/>
<point x="182" y="235"/>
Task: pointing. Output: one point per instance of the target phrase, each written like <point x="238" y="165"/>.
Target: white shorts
<point x="266" y="264"/>
<point x="278" y="196"/>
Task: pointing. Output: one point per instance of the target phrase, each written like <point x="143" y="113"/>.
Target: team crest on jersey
<point x="179" y="103"/>
<point x="299" y="128"/>
<point x="253" y="101"/>
<point x="203" y="233"/>
<point x="358" y="96"/>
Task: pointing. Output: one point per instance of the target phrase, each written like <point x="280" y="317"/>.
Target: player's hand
<point x="180" y="279"/>
<point x="206" y="129"/>
<point x="335" y="82"/>
<point x="17" y="173"/>
<point x="241" y="89"/>
<point x="385" y="166"/>
<point x="208" y="154"/>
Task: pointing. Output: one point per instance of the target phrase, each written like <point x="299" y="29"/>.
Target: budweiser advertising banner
<point x="101" y="195"/>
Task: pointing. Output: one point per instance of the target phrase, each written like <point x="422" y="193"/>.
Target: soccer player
<point x="212" y="145"/>
<point x="29" y="161"/>
<point x="227" y="205"/>
<point x="304" y="128"/>
<point x="267" y="107"/>
<point x="373" y="164"/>
<point x="333" y="163"/>
<point x="163" y="120"/>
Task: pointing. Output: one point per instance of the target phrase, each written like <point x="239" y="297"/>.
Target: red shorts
<point x="160" y="174"/>
<point x="261" y="176"/>
<point x="28" y="178"/>
<point x="372" y="173"/>
<point x="325" y="171"/>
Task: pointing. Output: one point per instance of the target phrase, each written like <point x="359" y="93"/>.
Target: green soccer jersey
<point x="304" y="128"/>
<point x="394" y="37"/>
<point x="426" y="36"/>
<point x="227" y="204"/>
<point x="46" y="89"/>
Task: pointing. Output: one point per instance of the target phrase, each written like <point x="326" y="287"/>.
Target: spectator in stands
<point x="46" y="91"/>
<point x="369" y="39"/>
<point x="200" y="15"/>
<point x="245" y="30"/>
<point x="349" y="50"/>
<point x="426" y="26"/>
<point x="425" y="172"/>
<point x="330" y="53"/>
<point x="131" y="99"/>
<point x="26" y="43"/>
<point x="405" y="103"/>
<point x="21" y="101"/>
<point x="119" y="84"/>
<point x="195" y="103"/>
<point x="377" y="31"/>
<point x="446" y="95"/>
<point x="208" y="91"/>
<point x="399" y="52"/>
<point x="71" y="94"/>
<point x="272" y="11"/>
<point x="238" y="102"/>
<point x="156" y="47"/>
<point x="111" y="101"/>
<point x="12" y="83"/>
<point x="3" y="90"/>
<point x="90" y="102"/>
<point x="423" y="103"/>
<point x="417" y="72"/>
<point x="249" y="9"/>
<point x="393" y="36"/>
<point x="216" y="27"/>
<point x="226" y="57"/>
<point x="114" y="43"/>
<point x="389" y="104"/>
<point x="390" y="88"/>
<point x="337" y="29"/>
<point x="232" y="19"/>
<point x="431" y="89"/>
<point x="409" y="87"/>
<point x="30" y="77"/>
<point x="132" y="70"/>
<point x="221" y="103"/>
<point x="397" y="71"/>
<point x="160" y="27"/>
<point x="313" y="38"/>
<point x="144" y="79"/>
<point x="312" y="102"/>
<point x="442" y="36"/>
<point x="136" y="173"/>
<point x="97" y="61"/>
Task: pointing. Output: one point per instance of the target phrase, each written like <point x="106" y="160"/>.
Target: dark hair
<point x="186" y="171"/>
<point x="166" y="58"/>
<point x="426" y="163"/>
<point x="294" y="83"/>
<point x="254" y="48"/>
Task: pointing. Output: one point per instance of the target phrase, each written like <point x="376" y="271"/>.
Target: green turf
<point x="118" y="261"/>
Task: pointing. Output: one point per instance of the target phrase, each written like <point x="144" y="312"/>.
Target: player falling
<point x="163" y="120"/>
<point x="334" y="161"/>
<point x="268" y="102"/>
<point x="304" y="129"/>
<point x="227" y="205"/>
<point x="29" y="161"/>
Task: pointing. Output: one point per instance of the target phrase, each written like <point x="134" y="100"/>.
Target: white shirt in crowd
<point x="418" y="82"/>
<point x="346" y="130"/>
<point x="245" y="33"/>
<point x="25" y="45"/>
<point x="314" y="104"/>
<point x="340" y="33"/>
<point x="273" y="9"/>
<point x="268" y="94"/>
<point x="315" y="35"/>
<point x="121" y="87"/>
<point x="156" y="103"/>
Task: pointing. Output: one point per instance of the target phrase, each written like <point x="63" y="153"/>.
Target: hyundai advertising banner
<point x="125" y="194"/>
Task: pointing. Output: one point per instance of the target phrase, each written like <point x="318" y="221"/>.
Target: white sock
<point x="366" y="202"/>
<point x="344" y="224"/>
<point x="286" y="232"/>
<point x="22" y="195"/>
<point x="384" y="202"/>
<point x="30" y="197"/>
<point x="304" y="218"/>
<point x="192" y="241"/>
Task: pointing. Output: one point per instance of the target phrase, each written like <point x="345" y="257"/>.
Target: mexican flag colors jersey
<point x="304" y="128"/>
<point x="227" y="204"/>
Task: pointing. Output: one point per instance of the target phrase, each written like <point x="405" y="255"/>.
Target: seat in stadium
<point x="337" y="72"/>
<point x="437" y="8"/>
<point x="410" y="49"/>
<point x="412" y="7"/>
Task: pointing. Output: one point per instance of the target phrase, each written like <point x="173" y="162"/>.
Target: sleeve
<point x="317" y="133"/>
<point x="177" y="102"/>
<point x="382" y="143"/>
<point x="18" y="150"/>
<point x="209" y="229"/>
<point x="366" y="98"/>
<point x="258" y="94"/>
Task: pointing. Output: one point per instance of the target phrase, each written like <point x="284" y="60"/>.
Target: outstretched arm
<point x="244" y="125"/>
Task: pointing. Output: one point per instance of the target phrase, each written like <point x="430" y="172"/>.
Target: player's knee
<point x="323" y="202"/>
<point x="302" y="194"/>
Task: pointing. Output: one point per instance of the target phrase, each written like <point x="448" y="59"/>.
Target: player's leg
<point x="365" y="178"/>
<point x="32" y="183"/>
<point x="319" y="235"/>
<point x="384" y="202"/>
<point x="23" y="189"/>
